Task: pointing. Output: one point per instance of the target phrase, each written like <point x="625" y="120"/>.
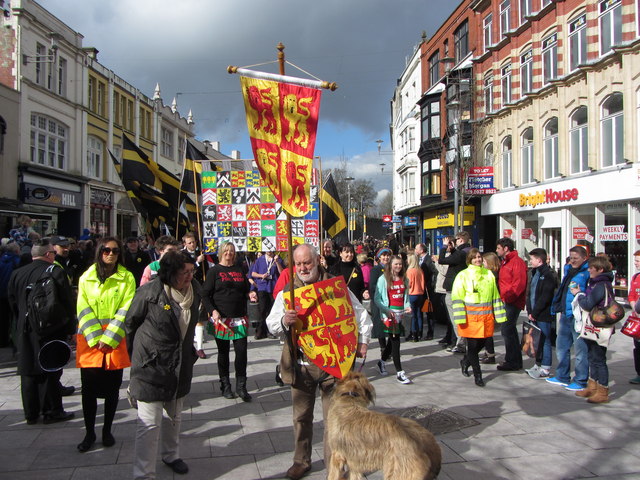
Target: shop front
<point x="100" y="208"/>
<point x="437" y="224"/>
<point x="599" y="211"/>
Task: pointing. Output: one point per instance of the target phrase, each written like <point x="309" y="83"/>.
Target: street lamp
<point x="349" y="180"/>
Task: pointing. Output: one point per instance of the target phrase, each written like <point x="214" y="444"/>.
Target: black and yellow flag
<point x="333" y="218"/>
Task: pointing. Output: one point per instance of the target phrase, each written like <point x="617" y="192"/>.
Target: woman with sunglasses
<point x="105" y="292"/>
<point x="476" y="304"/>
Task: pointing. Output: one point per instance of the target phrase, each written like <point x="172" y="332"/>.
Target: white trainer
<point x="402" y="378"/>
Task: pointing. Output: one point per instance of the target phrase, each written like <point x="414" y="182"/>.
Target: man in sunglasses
<point x="40" y="389"/>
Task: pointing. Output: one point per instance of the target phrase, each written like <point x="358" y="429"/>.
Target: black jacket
<point x="352" y="274"/>
<point x="27" y="341"/>
<point x="161" y="362"/>
<point x="545" y="289"/>
<point x="136" y="263"/>
<point x="430" y="273"/>
<point x="457" y="262"/>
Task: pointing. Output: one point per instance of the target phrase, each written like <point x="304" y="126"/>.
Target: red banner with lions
<point x="327" y="325"/>
<point x="282" y="120"/>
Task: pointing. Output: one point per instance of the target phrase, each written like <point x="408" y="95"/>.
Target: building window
<point x="123" y="111"/>
<point x="579" y="140"/>
<point x="505" y="12"/>
<point x="431" y="177"/>
<point x="488" y="94"/>
<point x="167" y="143"/>
<point x="526" y="153"/>
<point x="130" y="124"/>
<point x="431" y="120"/>
<point x="526" y="73"/>
<point x="412" y="139"/>
<point x="91" y="94"/>
<point x="62" y="77"/>
<point x="550" y="141"/>
<point x="181" y="146"/>
<point x="487" y="25"/>
<point x="94" y="156"/>
<point x="612" y="131"/>
<point x="507" y="173"/>
<point x="48" y="142"/>
<point x="411" y="187"/>
<point x="550" y="58"/>
<point x="506" y="85"/>
<point x="525" y="10"/>
<point x="434" y="70"/>
<point x="50" y="72"/>
<point x="577" y="42"/>
<point x="3" y="132"/>
<point x="100" y="99"/>
<point x="40" y="52"/>
<point x="546" y="2"/>
<point x="116" y="108"/>
<point x="461" y="41"/>
<point x="610" y="24"/>
<point x="488" y="155"/>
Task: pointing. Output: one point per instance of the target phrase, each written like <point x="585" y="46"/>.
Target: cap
<point x="58" y="240"/>
<point x="131" y="239"/>
<point x="383" y="250"/>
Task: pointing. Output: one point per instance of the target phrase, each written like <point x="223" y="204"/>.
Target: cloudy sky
<point x="186" y="45"/>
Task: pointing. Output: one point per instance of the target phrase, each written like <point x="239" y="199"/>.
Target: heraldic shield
<point x="328" y="332"/>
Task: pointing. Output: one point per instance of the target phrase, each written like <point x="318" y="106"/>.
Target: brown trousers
<point x="303" y="396"/>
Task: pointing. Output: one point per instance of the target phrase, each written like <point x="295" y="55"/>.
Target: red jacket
<point x="512" y="280"/>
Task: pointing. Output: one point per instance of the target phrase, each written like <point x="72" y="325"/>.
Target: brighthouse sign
<point x="548" y="196"/>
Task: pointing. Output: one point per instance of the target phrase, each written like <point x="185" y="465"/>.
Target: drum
<point x="631" y="327"/>
<point x="54" y="355"/>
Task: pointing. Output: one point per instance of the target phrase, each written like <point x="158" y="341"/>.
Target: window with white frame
<point x="461" y="41"/>
<point x="40" y="66"/>
<point x="612" y="131"/>
<point x="577" y="42"/>
<point x="526" y="72"/>
<point x="182" y="140"/>
<point x="550" y="145"/>
<point x="550" y="58"/>
<point x="166" y="143"/>
<point x="487" y="26"/>
<point x="94" y="156"/>
<point x="505" y="13"/>
<point x="507" y="172"/>
<point x="100" y="99"/>
<point x="506" y="85"/>
<point x="526" y="156"/>
<point x="488" y="94"/>
<point x="488" y="155"/>
<point x="62" y="77"/>
<point x="412" y="139"/>
<point x="546" y="2"/>
<point x="434" y="68"/>
<point x="431" y="174"/>
<point x="610" y="24"/>
<point x="579" y="140"/>
<point x="525" y="10"/>
<point x="48" y="141"/>
<point x="51" y="81"/>
<point x="411" y="187"/>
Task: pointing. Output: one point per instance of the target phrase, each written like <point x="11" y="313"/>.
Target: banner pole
<point x="320" y="231"/>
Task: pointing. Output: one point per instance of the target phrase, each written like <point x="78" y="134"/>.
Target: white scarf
<point x="184" y="301"/>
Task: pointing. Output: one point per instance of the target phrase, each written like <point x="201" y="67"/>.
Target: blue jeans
<point x="545" y="328"/>
<point x="416" y="302"/>
<point x="568" y="337"/>
<point x="598" y="369"/>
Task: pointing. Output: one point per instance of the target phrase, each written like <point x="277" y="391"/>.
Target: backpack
<point x="45" y="312"/>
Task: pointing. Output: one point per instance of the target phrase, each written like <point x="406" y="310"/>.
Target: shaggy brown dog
<point x="361" y="440"/>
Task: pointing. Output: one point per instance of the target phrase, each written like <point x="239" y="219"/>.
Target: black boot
<point x="241" y="389"/>
<point x="478" y="379"/>
<point x="279" y="377"/>
<point x="225" y="386"/>
<point x="464" y="365"/>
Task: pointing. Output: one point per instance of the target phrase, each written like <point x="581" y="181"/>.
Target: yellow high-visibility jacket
<point x="476" y="302"/>
<point x="101" y="311"/>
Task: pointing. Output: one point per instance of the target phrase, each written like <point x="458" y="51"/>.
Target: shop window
<point x="488" y="155"/>
<point x="526" y="154"/>
<point x="612" y="131"/>
<point x="94" y="156"/>
<point x="488" y="94"/>
<point x="487" y="26"/>
<point x="526" y="73"/>
<point x="505" y="13"/>
<point x="551" y="149"/>
<point x="48" y="142"/>
<point x="507" y="174"/>
<point x="550" y="58"/>
<point x="577" y="42"/>
<point x="579" y="140"/>
<point x="506" y="85"/>
<point x="610" y="24"/>
<point x="434" y="68"/>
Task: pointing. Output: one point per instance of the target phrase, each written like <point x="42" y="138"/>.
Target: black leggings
<point x="240" y="363"/>
<point x="474" y="345"/>
<point x="391" y="348"/>
<point x="99" y="383"/>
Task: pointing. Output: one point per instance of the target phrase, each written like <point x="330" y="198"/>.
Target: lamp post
<point x="349" y="180"/>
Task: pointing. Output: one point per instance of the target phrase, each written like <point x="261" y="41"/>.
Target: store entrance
<point x="551" y="242"/>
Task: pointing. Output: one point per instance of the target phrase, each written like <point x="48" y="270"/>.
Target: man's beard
<point x="310" y="277"/>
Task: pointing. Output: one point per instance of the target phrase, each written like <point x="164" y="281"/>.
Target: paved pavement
<point x="521" y="428"/>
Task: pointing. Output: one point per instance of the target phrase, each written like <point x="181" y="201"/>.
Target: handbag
<point x="427" y="306"/>
<point x="531" y="338"/>
<point x="585" y="327"/>
<point x="607" y="316"/>
<point x="631" y="327"/>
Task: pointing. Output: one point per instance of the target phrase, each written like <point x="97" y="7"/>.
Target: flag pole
<point x="195" y="192"/>
<point x="292" y="298"/>
<point x="320" y="201"/>
<point x="184" y="159"/>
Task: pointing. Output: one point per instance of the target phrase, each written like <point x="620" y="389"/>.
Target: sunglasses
<point x="108" y="251"/>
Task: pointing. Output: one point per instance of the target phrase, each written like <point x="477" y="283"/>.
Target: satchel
<point x="531" y="338"/>
<point x="607" y="316"/>
<point x="427" y="306"/>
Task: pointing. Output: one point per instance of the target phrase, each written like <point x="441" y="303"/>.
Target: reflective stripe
<point x="89" y="325"/>
<point x="116" y="325"/>
<point x="84" y="312"/>
<point x="92" y="336"/>
<point x="122" y="312"/>
<point x="113" y="336"/>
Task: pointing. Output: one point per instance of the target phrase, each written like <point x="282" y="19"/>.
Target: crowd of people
<point x="145" y="305"/>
